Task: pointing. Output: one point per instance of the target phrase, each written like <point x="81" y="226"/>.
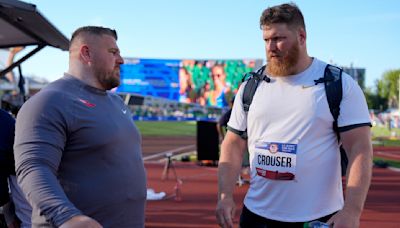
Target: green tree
<point x="388" y="87"/>
<point x="375" y="101"/>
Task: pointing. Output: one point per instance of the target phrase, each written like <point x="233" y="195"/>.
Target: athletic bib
<point x="274" y="160"/>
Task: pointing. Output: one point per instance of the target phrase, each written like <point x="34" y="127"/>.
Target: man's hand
<point x="345" y="219"/>
<point x="229" y="166"/>
<point x="81" y="221"/>
<point x="225" y="212"/>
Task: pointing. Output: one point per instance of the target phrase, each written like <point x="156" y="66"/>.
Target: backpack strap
<point x="253" y="79"/>
<point x="333" y="88"/>
<point x="334" y="94"/>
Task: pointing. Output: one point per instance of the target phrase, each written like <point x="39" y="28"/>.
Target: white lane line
<point x="172" y="152"/>
<point x="388" y="154"/>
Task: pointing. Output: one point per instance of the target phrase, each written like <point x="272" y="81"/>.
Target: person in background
<point x="223" y="121"/>
<point x="219" y="96"/>
<point x="7" y="124"/>
<point x="17" y="210"/>
<point x="222" y="129"/>
<point x="77" y="150"/>
<point x="185" y="86"/>
<point x="205" y="95"/>
<point x="294" y="151"/>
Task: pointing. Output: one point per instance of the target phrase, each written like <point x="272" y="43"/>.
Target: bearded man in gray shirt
<point x="77" y="151"/>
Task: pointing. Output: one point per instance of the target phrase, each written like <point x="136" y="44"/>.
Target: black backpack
<point x="332" y="80"/>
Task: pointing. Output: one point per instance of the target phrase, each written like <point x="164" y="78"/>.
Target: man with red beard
<point x="77" y="151"/>
<point x="294" y="153"/>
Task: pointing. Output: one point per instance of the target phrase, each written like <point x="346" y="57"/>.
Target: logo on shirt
<point x="87" y="103"/>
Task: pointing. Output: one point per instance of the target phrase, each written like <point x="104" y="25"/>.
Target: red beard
<point x="284" y="65"/>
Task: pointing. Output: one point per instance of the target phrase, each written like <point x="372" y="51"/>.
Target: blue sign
<point x="151" y="77"/>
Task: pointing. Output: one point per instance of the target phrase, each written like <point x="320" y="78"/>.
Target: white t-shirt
<point x="289" y="129"/>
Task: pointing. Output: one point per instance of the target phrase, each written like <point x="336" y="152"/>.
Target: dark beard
<point x="108" y="80"/>
<point x="287" y="65"/>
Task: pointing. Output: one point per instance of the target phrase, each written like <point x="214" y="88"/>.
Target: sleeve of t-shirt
<point x="41" y="132"/>
<point x="353" y="107"/>
<point x="238" y="120"/>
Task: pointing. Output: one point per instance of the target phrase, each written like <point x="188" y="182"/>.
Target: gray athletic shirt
<point x="77" y="151"/>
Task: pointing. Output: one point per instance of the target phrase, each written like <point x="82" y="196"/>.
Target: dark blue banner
<point x="151" y="77"/>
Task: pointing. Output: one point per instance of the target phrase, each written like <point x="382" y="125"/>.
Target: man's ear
<point x="302" y="36"/>
<point x="85" y="54"/>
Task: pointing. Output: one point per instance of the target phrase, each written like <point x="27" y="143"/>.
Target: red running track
<point x="199" y="197"/>
<point x="387" y="152"/>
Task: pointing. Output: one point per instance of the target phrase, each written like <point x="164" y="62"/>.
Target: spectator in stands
<point x="220" y="95"/>
<point x="77" y="150"/>
<point x="198" y="75"/>
<point x="205" y="95"/>
<point x="185" y="86"/>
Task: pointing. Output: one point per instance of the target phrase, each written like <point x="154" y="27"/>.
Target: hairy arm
<point x="357" y="143"/>
<point x="229" y="166"/>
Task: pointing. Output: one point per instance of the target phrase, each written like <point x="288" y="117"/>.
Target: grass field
<point x="384" y="131"/>
<point x="160" y="128"/>
<point x="166" y="128"/>
<point x="382" y="136"/>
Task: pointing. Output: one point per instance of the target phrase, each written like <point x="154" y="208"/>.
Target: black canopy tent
<point x="21" y="24"/>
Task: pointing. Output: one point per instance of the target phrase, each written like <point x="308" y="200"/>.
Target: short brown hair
<point x="93" y="30"/>
<point x="287" y="13"/>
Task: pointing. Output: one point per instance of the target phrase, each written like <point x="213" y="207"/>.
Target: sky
<point x="362" y="33"/>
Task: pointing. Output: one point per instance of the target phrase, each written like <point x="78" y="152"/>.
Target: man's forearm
<point x="358" y="180"/>
<point x="227" y="177"/>
<point x="229" y="167"/>
<point x="44" y="191"/>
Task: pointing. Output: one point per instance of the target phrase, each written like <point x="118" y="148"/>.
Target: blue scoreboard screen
<point x="205" y="82"/>
<point x="150" y="77"/>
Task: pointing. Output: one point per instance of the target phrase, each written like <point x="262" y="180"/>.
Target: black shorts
<point x="250" y="220"/>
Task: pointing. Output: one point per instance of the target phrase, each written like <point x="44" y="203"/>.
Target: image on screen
<point x="203" y="82"/>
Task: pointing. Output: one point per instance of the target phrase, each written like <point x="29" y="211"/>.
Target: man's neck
<point x="304" y="62"/>
<point x="85" y="76"/>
